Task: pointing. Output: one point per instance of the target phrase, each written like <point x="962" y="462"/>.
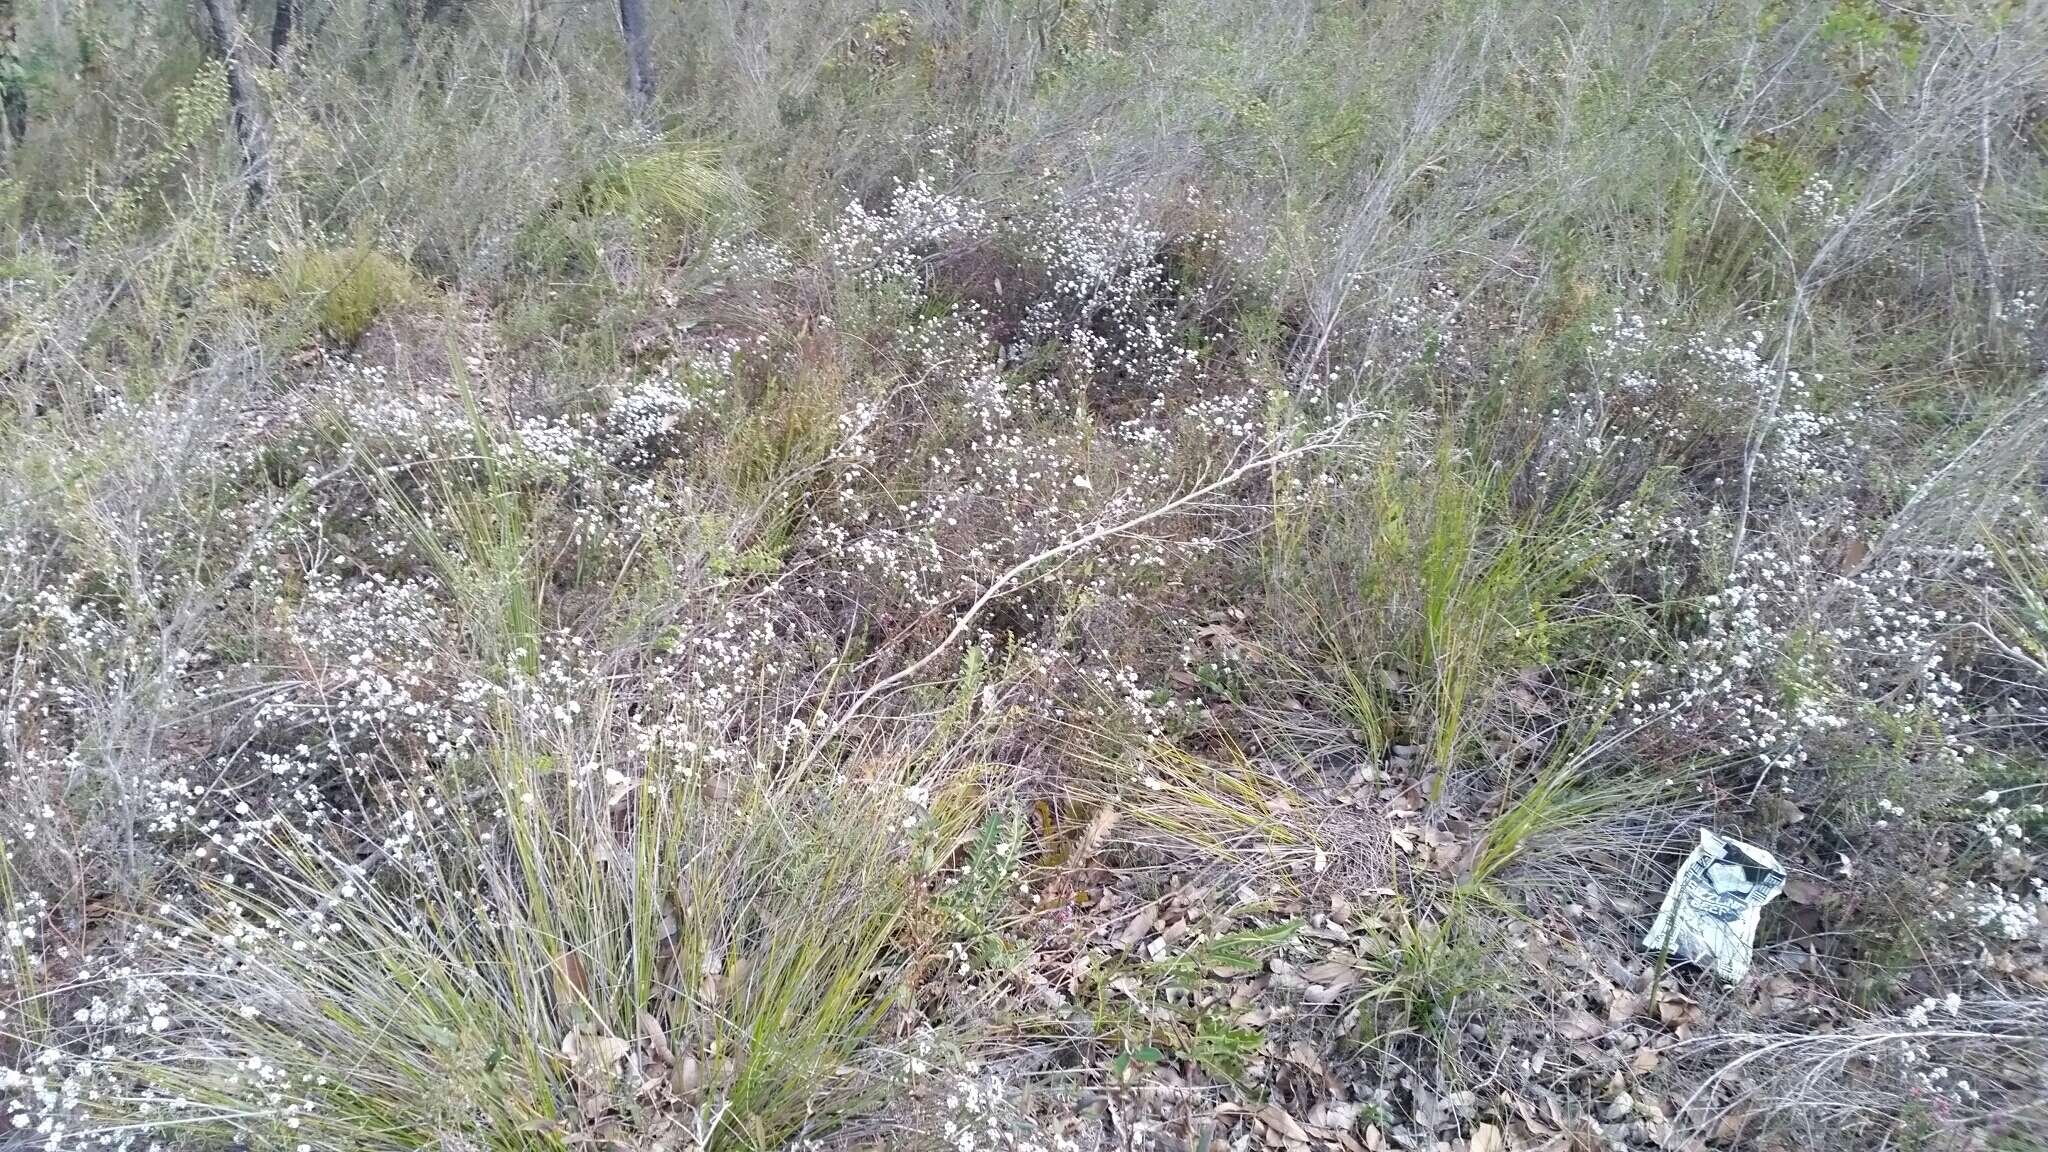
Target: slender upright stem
<point x="639" y="56"/>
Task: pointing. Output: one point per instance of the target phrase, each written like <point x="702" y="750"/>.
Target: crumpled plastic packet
<point x="1711" y="910"/>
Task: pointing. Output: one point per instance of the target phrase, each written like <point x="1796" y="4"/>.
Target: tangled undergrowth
<point x="1127" y="577"/>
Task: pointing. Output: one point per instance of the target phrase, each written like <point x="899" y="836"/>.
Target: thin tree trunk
<point x="639" y="56"/>
<point x="1987" y="263"/>
<point x="242" y="109"/>
<point x="529" y="32"/>
<point x="13" y="90"/>
<point x="281" y="22"/>
<point x="412" y="25"/>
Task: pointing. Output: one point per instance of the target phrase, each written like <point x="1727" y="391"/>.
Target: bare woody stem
<point x="1013" y="577"/>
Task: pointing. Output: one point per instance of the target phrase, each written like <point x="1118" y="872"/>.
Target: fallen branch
<point x="1014" y="577"/>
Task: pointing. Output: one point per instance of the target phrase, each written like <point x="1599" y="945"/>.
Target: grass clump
<point x="580" y="956"/>
<point x="672" y="184"/>
<point x="631" y="202"/>
<point x="340" y="291"/>
<point x="1462" y="590"/>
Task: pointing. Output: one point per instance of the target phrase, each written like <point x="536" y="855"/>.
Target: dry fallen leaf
<point x="1328" y="979"/>
<point x="1800" y="890"/>
<point x="1623" y="1006"/>
<point x="657" y="1038"/>
<point x="1098" y="828"/>
<point x="570" y="966"/>
<point x="1488" y="1138"/>
<point x="686" y="1077"/>
<point x="1136" y="929"/>
<point x="593" y="1050"/>
<point x="1276" y="1118"/>
<point x="1675" y="1008"/>
<point x="1334" y="1115"/>
<point x="1579" y="1024"/>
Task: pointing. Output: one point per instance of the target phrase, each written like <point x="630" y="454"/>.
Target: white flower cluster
<point x="2024" y="312"/>
<point x="372" y="651"/>
<point x="2006" y="915"/>
<point x="1703" y="394"/>
<point x="980" y="1115"/>
<point x="1010" y="472"/>
<point x="1929" y="1078"/>
<point x="749" y="257"/>
<point x="1112" y="306"/>
<point x="1817" y="204"/>
<point x="892" y="247"/>
<point x="1787" y="656"/>
<point x="1426" y="329"/>
<point x="1920" y="1014"/>
<point x="647" y="424"/>
<point x="2000" y="825"/>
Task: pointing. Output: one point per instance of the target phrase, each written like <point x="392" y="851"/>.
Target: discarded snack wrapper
<point x="1710" y="913"/>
